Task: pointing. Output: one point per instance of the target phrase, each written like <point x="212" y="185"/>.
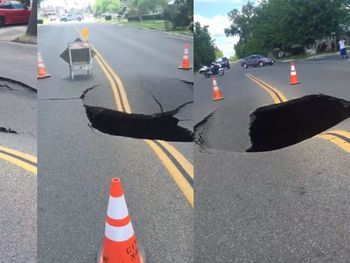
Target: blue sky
<point x="214" y="14"/>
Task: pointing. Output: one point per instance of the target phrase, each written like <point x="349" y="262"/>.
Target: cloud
<point x="217" y="24"/>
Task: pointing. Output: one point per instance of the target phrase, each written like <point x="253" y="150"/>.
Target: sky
<point x="214" y="14"/>
<point x="70" y="3"/>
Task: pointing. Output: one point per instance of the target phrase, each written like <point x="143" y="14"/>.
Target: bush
<point x="299" y="50"/>
<point x="145" y="17"/>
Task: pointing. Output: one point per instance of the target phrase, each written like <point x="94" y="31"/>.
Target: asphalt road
<point x="18" y="194"/>
<point x="77" y="162"/>
<point x="22" y="56"/>
<point x="287" y="205"/>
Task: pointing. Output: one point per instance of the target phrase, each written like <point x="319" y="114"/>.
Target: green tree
<point x="204" y="52"/>
<point x="141" y="7"/>
<point x="286" y="24"/>
<point x="101" y="6"/>
<point x="241" y="22"/>
<point x="180" y="13"/>
<point x="218" y="52"/>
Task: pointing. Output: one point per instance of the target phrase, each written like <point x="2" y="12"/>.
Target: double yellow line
<point x="180" y="169"/>
<point x="275" y="94"/>
<point x="23" y="160"/>
<point x="338" y="137"/>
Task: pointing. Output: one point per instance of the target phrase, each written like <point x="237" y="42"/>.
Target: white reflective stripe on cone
<point x="293" y="73"/>
<point x="119" y="234"/>
<point x="117" y="208"/>
<point x="293" y="68"/>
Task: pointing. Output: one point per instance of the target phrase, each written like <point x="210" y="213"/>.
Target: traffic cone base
<point x="100" y="258"/>
<point x="185" y="63"/>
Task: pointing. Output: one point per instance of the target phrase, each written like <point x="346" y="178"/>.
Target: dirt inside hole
<point x="280" y="125"/>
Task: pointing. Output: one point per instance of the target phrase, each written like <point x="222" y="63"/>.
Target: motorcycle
<point x="207" y="72"/>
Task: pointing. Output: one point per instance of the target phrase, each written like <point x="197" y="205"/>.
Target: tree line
<point x="287" y="24"/>
<point x="179" y="13"/>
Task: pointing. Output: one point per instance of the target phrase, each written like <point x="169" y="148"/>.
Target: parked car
<point x="71" y="17"/>
<point x="256" y="60"/>
<point x="224" y="61"/>
<point x="13" y="12"/>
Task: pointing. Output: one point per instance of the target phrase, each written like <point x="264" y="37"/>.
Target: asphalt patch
<point x="158" y="126"/>
<point x="277" y="126"/>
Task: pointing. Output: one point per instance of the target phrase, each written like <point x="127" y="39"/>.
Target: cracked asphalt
<point x="78" y="162"/>
<point x="18" y="195"/>
<point x="287" y="205"/>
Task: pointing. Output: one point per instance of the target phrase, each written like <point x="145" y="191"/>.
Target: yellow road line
<point x="112" y="84"/>
<point x="338" y="141"/>
<point x="341" y="133"/>
<point x="119" y="83"/>
<point x="168" y="164"/>
<point x="188" y="167"/>
<point x="275" y="94"/>
<point x="105" y="67"/>
<point x="26" y="156"/>
<point x="19" y="163"/>
<point x="175" y="173"/>
<point x="281" y="98"/>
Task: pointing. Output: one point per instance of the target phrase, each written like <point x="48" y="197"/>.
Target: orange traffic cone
<point x="216" y="91"/>
<point x="293" y="75"/>
<point x="185" y="64"/>
<point x="119" y="244"/>
<point x="42" y="73"/>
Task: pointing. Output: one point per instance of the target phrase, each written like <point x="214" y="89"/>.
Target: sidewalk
<point x="10" y="33"/>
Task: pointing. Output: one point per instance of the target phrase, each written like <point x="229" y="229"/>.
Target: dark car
<point x="256" y="60"/>
<point x="224" y="61"/>
<point x="13" y="12"/>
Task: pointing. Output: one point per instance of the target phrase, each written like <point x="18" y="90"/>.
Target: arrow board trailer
<point x="80" y="58"/>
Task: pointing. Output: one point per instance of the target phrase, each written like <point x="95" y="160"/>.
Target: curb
<point x="174" y="34"/>
<point x="309" y="58"/>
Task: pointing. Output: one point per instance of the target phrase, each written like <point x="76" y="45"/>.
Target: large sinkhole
<point x="160" y="118"/>
<point x="280" y="125"/>
<point x="159" y="126"/>
<point x="270" y="127"/>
